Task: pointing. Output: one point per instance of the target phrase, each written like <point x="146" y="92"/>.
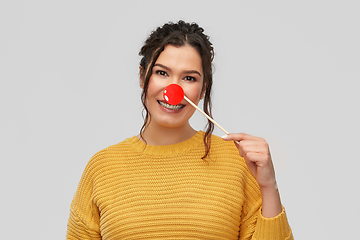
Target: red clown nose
<point x="173" y="94"/>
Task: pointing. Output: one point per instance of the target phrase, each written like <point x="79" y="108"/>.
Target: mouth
<point x="169" y="106"/>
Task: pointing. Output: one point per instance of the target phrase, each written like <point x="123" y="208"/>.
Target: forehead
<point x="180" y="58"/>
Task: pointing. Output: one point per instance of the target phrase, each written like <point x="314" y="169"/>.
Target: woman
<point x="171" y="181"/>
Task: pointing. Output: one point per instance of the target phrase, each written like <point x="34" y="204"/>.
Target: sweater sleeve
<point x="276" y="228"/>
<point x="253" y="225"/>
<point x="80" y="229"/>
<point x="84" y="219"/>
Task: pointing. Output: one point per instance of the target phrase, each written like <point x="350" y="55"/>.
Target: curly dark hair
<point x="179" y="34"/>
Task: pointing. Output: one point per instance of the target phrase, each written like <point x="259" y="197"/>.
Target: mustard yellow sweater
<point x="136" y="191"/>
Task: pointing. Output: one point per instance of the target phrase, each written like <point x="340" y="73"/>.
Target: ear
<point x="141" y="80"/>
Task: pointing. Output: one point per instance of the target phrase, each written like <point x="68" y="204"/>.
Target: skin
<point x="255" y="151"/>
<point x="183" y="66"/>
<point x="175" y="65"/>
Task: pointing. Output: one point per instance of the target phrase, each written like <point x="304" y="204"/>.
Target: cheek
<point x="154" y="91"/>
<point x="193" y="93"/>
<point x="153" y="87"/>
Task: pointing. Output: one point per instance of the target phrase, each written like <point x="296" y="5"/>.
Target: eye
<point x="190" y="78"/>
<point x="160" y="72"/>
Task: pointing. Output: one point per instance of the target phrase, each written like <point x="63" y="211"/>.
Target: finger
<point x="253" y="149"/>
<point x="239" y="137"/>
<point x="254" y="146"/>
<point x="260" y="159"/>
<point x="256" y="143"/>
<point x="237" y="144"/>
<point x="262" y="162"/>
<point x="246" y="150"/>
<point x="259" y="143"/>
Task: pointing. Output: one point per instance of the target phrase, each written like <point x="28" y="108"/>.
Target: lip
<point x="170" y="110"/>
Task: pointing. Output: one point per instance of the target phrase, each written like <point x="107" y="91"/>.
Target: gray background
<point x="284" y="70"/>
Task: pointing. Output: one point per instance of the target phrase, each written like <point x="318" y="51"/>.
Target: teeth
<point x="169" y="106"/>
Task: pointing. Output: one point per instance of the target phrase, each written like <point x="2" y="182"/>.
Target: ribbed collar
<point x="166" y="150"/>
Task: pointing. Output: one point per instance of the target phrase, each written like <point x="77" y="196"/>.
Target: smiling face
<point x="175" y="65"/>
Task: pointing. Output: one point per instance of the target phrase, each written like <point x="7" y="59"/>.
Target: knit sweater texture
<point x="136" y="191"/>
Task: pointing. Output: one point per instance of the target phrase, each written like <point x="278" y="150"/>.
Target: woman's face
<point x="175" y="65"/>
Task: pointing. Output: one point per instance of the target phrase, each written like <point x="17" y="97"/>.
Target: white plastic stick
<point x="207" y="116"/>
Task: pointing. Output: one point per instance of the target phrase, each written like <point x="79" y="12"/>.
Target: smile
<point x="169" y="106"/>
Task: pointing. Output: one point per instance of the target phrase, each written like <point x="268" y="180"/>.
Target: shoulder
<point x="222" y="150"/>
<point x="227" y="153"/>
<point x="220" y="146"/>
<point x="108" y="155"/>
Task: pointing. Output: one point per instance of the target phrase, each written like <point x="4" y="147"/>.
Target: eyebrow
<point x="167" y="68"/>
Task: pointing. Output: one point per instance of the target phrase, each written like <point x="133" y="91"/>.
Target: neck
<point x="159" y="135"/>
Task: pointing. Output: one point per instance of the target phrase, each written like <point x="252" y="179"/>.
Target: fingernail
<point x="225" y="136"/>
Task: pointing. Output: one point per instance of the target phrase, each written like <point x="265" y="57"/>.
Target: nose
<point x="173" y="94"/>
<point x="175" y="80"/>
